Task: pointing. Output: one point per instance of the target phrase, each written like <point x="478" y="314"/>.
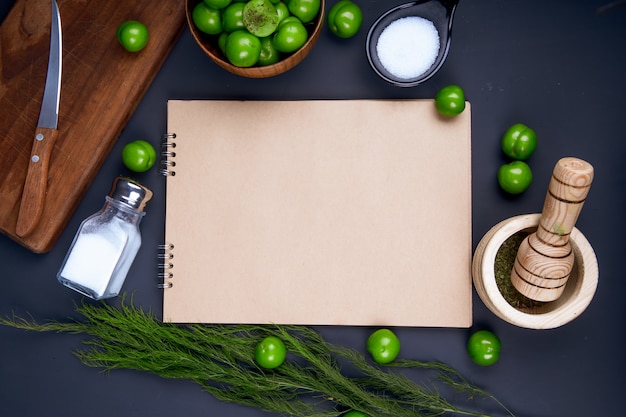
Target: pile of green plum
<point x="256" y="32"/>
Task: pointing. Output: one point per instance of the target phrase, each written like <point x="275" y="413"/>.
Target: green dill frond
<point x="220" y="358"/>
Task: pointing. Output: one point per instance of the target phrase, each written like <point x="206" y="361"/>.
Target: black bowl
<point x="440" y="12"/>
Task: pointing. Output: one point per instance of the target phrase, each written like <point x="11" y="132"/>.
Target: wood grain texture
<point x="545" y="258"/>
<point x="36" y="183"/>
<point x="101" y="86"/>
<point x="567" y="191"/>
<point x="577" y="293"/>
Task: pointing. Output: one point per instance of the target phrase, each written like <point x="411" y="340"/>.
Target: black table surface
<point x="558" y="66"/>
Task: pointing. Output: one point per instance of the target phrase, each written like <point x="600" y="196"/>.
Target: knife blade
<point x="35" y="185"/>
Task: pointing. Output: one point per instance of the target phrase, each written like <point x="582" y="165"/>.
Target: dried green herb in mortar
<point x="505" y="257"/>
<point x="220" y="358"/>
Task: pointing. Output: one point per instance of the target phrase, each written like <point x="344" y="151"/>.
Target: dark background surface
<point x="557" y="66"/>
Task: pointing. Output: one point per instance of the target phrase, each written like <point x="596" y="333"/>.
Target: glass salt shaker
<point x="106" y="242"/>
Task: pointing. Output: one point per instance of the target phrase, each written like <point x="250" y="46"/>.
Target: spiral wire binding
<point x="165" y="264"/>
<point x="165" y="251"/>
<point x="168" y="155"/>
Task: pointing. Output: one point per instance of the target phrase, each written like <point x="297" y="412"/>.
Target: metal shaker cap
<point x="131" y="193"/>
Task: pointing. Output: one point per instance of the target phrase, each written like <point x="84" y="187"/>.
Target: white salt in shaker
<point x="106" y="243"/>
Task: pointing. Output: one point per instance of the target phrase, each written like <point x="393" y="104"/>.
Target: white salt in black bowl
<point x="408" y="44"/>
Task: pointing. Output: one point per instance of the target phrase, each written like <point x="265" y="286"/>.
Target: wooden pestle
<point x="545" y="259"/>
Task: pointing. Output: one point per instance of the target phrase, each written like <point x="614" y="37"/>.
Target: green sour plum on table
<point x="515" y="177"/>
<point x="484" y="347"/>
<point x="519" y="142"/>
<point x="139" y="156"/>
<point x="345" y="19"/>
<point x="383" y="345"/>
<point x="450" y="100"/>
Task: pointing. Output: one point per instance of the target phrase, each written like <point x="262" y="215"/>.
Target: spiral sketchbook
<point x="317" y="212"/>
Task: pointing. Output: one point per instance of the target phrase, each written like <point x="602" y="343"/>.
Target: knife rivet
<point x="39" y="136"/>
<point x="35" y="158"/>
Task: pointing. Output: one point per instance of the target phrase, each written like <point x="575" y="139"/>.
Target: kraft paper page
<point x="322" y="212"/>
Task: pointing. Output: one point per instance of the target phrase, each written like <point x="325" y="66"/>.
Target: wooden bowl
<point x="209" y="45"/>
<point x="579" y="290"/>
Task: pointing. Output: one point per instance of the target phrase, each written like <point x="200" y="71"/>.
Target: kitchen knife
<point x="35" y="185"/>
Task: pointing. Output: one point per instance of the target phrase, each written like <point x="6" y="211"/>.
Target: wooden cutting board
<point x="101" y="86"/>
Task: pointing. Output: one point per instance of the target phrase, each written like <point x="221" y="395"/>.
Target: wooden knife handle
<point x="36" y="184"/>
